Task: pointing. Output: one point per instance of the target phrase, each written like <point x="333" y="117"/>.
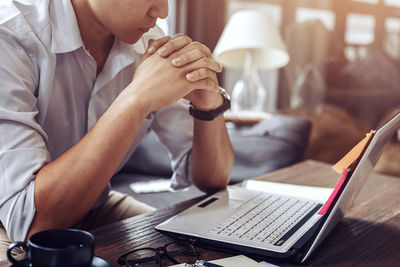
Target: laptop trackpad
<point x="240" y="194"/>
<point x="232" y="198"/>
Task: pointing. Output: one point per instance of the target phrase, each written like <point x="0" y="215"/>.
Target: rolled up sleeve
<point x="23" y="148"/>
<point x="17" y="190"/>
<point x="174" y="128"/>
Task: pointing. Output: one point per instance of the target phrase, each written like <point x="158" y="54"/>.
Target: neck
<point x="96" y="38"/>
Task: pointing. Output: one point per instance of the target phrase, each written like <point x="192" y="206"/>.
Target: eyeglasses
<point x="177" y="252"/>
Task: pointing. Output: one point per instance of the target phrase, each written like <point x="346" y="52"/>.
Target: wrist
<point x="207" y="106"/>
<point x="135" y="102"/>
<point x="209" y="115"/>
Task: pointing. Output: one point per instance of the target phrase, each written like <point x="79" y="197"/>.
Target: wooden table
<point x="368" y="235"/>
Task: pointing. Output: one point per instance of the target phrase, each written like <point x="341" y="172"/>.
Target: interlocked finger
<point x="174" y="44"/>
<point x="203" y="48"/>
<point x="188" y="57"/>
<point x="154" y="45"/>
<point x="200" y="74"/>
<point x="202" y="68"/>
<point x="206" y="84"/>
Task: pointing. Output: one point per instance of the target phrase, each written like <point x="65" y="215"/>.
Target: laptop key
<point x="264" y="219"/>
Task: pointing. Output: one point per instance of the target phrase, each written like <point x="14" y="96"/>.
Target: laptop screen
<point x="368" y="160"/>
<point x="359" y="175"/>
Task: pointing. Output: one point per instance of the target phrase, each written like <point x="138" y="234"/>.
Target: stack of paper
<point x="235" y="261"/>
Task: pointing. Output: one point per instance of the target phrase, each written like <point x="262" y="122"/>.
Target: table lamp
<point x="250" y="41"/>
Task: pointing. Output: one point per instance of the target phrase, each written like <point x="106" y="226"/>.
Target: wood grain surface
<point x="368" y="235"/>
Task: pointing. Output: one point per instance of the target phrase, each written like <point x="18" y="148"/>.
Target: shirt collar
<point x="64" y="27"/>
<point x="66" y="36"/>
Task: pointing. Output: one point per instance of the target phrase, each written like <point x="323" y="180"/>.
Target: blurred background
<point x="335" y="63"/>
<point x="344" y="68"/>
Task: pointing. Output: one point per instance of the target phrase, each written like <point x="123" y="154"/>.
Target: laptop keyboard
<point x="267" y="218"/>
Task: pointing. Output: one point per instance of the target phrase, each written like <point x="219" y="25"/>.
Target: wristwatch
<point x="212" y="114"/>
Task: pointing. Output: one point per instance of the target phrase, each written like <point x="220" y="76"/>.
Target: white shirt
<point x="50" y="97"/>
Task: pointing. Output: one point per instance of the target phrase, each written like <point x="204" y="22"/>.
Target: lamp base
<point x="249" y="94"/>
<point x="245" y="117"/>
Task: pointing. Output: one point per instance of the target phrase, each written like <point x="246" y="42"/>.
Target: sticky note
<point x="353" y="154"/>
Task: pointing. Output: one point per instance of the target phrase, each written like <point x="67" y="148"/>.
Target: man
<point x="79" y="87"/>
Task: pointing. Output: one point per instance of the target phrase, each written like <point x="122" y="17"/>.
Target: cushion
<point x="271" y="144"/>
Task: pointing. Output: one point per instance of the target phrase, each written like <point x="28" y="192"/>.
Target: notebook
<point x="277" y="225"/>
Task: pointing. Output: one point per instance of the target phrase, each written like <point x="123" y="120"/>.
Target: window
<point x="360" y="29"/>
<point x="369" y="1"/>
<point x="392" y="38"/>
<point x="326" y="16"/>
<point x="359" y="33"/>
<point x="274" y="11"/>
<point x="395" y="3"/>
<point x="354" y="26"/>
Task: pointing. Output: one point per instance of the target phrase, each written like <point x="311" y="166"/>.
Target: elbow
<point x="213" y="183"/>
<point x="216" y="178"/>
<point x="214" y="189"/>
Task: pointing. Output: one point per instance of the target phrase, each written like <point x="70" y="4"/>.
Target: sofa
<point x="271" y="144"/>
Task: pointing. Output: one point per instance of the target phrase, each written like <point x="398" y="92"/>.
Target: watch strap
<point x="211" y="114"/>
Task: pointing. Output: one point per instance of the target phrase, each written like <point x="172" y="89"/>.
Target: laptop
<point x="270" y="225"/>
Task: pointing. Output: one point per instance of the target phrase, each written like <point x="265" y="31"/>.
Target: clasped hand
<point x="174" y="68"/>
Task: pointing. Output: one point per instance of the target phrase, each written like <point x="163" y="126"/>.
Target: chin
<point x="132" y="38"/>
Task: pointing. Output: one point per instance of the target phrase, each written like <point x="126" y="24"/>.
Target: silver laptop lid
<point x="365" y="166"/>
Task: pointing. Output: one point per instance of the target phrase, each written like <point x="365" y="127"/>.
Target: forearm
<point x="212" y="155"/>
<point x="66" y="188"/>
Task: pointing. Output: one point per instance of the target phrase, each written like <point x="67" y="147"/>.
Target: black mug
<point x="58" y="247"/>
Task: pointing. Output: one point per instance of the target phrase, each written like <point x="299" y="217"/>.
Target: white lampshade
<point x="251" y="31"/>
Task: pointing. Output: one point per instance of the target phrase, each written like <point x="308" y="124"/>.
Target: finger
<point x="203" y="48"/>
<point x="174" y="44"/>
<point x="203" y="63"/>
<point x="194" y="46"/>
<point x="187" y="57"/>
<point x="200" y="74"/>
<point x="149" y="51"/>
<point x="150" y="42"/>
<point x="205" y="84"/>
<point x="154" y="45"/>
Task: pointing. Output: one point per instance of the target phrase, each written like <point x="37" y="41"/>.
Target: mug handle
<point x="11" y="247"/>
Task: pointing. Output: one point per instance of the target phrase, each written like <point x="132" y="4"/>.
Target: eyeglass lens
<point x="182" y="252"/>
<point x="175" y="252"/>
<point x="141" y="257"/>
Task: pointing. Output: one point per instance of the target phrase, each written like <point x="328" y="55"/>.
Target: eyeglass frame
<point x="122" y="260"/>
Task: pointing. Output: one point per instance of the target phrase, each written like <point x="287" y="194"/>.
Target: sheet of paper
<point x="263" y="263"/>
<point x="235" y="261"/>
<point x="310" y="192"/>
<point x="160" y="185"/>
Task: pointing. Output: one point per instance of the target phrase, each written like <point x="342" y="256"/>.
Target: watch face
<point x="224" y="93"/>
